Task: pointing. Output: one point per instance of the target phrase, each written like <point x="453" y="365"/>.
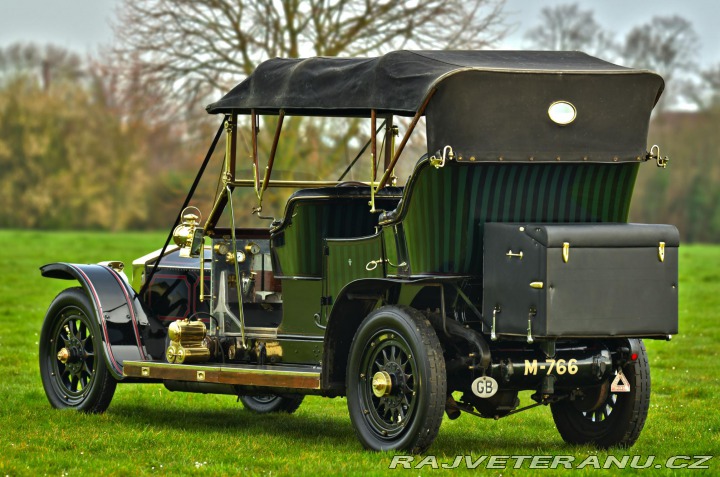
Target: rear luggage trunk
<point x="580" y="280"/>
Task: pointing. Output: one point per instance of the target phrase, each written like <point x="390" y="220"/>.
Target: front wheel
<point x="396" y="384"/>
<point x="604" y="418"/>
<point x="266" y="403"/>
<point x="72" y="366"/>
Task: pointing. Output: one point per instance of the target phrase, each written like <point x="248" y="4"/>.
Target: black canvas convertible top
<point x="395" y="83"/>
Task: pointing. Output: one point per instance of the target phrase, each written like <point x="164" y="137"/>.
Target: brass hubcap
<point x="381" y="384"/>
<point x="63" y="355"/>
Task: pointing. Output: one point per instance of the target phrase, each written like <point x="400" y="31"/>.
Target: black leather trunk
<point x="610" y="280"/>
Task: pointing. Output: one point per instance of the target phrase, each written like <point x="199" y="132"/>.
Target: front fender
<point x="118" y="312"/>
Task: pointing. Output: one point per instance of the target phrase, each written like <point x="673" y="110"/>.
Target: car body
<point x="505" y="263"/>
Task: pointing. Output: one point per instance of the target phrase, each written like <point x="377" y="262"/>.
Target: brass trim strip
<point x="224" y="369"/>
<point x="240" y="375"/>
<point x="289" y="184"/>
<point x="147" y="365"/>
<point x="254" y="333"/>
<point x="267" y="372"/>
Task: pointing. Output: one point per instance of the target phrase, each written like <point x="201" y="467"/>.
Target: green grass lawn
<point x="149" y="430"/>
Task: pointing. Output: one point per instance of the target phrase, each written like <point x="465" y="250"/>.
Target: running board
<point x="291" y="377"/>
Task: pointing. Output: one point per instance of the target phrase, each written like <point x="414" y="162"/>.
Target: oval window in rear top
<point x="562" y="112"/>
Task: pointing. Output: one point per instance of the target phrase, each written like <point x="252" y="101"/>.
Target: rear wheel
<point x="263" y="404"/>
<point x="396" y="386"/>
<point x="72" y="366"/>
<point x="604" y="418"/>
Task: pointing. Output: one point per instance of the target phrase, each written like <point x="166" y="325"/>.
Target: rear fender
<point x="118" y="311"/>
<point x="353" y="303"/>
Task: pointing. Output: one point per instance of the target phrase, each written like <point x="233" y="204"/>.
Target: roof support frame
<point x="271" y="159"/>
<point x="388" y="172"/>
<point x="254" y="133"/>
<point x="373" y="142"/>
<point x="389" y="142"/>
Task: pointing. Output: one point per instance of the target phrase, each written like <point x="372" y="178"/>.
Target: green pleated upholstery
<point x="297" y="246"/>
<point x="444" y="209"/>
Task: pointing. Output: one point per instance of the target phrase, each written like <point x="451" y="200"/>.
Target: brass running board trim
<point x="244" y="375"/>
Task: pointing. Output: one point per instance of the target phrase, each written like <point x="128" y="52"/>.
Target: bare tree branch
<point x="187" y="47"/>
<point x="567" y="27"/>
<point x="667" y="45"/>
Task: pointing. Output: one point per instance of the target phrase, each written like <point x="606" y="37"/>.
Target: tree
<point x="46" y="63"/>
<point x="69" y="158"/>
<point x="705" y="92"/>
<point x="667" y="45"/>
<point x="711" y="77"/>
<point x="186" y="46"/>
<point x="190" y="52"/>
<point x="686" y="194"/>
<point x="567" y="27"/>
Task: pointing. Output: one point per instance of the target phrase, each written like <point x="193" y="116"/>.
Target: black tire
<point x="83" y="382"/>
<point x="263" y="404"/>
<point x="400" y="342"/>
<point x="619" y="417"/>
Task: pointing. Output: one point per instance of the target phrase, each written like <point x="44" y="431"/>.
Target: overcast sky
<point x="83" y="25"/>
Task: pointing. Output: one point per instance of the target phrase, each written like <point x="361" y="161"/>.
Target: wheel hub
<point x="71" y="355"/>
<point x="63" y="355"/>
<point x="381" y="384"/>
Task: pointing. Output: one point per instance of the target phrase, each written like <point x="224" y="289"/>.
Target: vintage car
<point x="505" y="263"/>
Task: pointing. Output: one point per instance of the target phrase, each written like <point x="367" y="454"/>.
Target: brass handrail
<point x="288" y="184"/>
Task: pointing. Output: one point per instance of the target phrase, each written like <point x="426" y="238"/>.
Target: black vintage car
<point x="505" y="263"/>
